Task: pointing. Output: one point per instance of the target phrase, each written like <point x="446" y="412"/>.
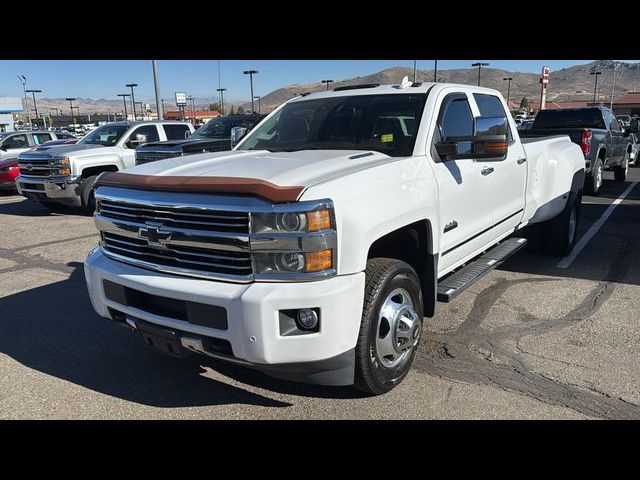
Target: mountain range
<point x="572" y="83"/>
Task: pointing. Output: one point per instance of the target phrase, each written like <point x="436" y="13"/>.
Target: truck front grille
<point x="190" y="238"/>
<point x="200" y="259"/>
<point x="35" y="168"/>
<point x="144" y="156"/>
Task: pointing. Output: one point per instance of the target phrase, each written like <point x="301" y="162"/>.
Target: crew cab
<point x="66" y="174"/>
<point x="214" y="136"/>
<point x="14" y="143"/>
<point x="316" y="248"/>
<point x="604" y="142"/>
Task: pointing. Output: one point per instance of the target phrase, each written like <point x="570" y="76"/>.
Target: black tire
<point x="620" y="173"/>
<point x="591" y="183"/>
<point x="383" y="277"/>
<point x="561" y="233"/>
<point x="87" y="194"/>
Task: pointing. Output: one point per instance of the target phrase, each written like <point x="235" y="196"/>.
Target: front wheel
<point x="87" y="194"/>
<point x="391" y="325"/>
<point x="620" y="173"/>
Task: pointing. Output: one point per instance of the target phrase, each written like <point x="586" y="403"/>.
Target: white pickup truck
<point x="66" y="174"/>
<point x="314" y="249"/>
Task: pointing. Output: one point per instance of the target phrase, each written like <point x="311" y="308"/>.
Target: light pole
<point x="258" y="97"/>
<point x="479" y="65"/>
<point x="23" y="80"/>
<point x="508" y="79"/>
<point x="190" y="103"/>
<point x="157" y="90"/>
<point x="613" y="88"/>
<point x="415" y="71"/>
<point x="73" y="118"/>
<point x="133" y="99"/>
<point x="251" y="73"/>
<point x="124" y="102"/>
<point x="595" y="85"/>
<point x="141" y="109"/>
<point x="435" y="71"/>
<point x="162" y="101"/>
<point x="35" y="105"/>
<point x="327" y="82"/>
<point x="222" y="90"/>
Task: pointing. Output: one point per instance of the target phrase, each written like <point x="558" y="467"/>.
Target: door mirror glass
<point x="236" y="134"/>
<point x="490" y="138"/>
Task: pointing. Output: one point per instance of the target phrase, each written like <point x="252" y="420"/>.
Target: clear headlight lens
<point x="293" y="262"/>
<point x="291" y="221"/>
<point x="63" y="167"/>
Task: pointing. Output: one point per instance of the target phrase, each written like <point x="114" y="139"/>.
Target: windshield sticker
<point x="386" y="138"/>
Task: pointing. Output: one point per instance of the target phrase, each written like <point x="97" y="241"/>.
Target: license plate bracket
<point x="161" y="340"/>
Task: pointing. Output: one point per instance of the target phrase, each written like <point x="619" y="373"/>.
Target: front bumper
<point x="253" y="317"/>
<point x="63" y="190"/>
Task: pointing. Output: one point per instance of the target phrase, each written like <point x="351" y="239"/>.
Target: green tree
<point x="240" y="110"/>
<point x="524" y="103"/>
<point x="215" y="106"/>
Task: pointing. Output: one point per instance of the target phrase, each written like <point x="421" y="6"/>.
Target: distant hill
<point x="573" y="83"/>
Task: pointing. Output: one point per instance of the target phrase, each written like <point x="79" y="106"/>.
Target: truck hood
<point x="184" y="144"/>
<point x="302" y="168"/>
<point x="64" y="150"/>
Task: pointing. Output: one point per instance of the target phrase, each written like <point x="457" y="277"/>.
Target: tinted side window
<point x="491" y="106"/>
<point x="176" y="131"/>
<point x="457" y="120"/>
<point x="16" y="141"/>
<point x="150" y="131"/>
<point x="40" y="138"/>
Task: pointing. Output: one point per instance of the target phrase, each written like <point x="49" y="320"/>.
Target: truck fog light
<point x="307" y="319"/>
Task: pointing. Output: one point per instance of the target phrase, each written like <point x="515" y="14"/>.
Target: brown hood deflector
<point x="224" y="185"/>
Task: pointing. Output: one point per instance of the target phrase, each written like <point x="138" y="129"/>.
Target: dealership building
<point x="9" y="106"/>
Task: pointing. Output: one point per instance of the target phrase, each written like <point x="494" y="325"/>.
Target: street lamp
<point x="124" y="102"/>
<point x="415" y="71"/>
<point x="613" y="88"/>
<point x="35" y="106"/>
<point x="327" y="82"/>
<point x="141" y="109"/>
<point x="258" y="97"/>
<point x="508" y="79"/>
<point x="251" y="73"/>
<point x="23" y="80"/>
<point x="70" y="100"/>
<point x="162" y="101"/>
<point x="133" y="99"/>
<point x="435" y="71"/>
<point x="222" y="90"/>
<point x="595" y="85"/>
<point x="479" y="65"/>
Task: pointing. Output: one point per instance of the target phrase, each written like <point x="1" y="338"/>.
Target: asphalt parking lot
<point x="530" y="340"/>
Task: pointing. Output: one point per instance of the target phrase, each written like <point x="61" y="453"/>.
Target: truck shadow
<point x="53" y="329"/>
<point x="24" y="207"/>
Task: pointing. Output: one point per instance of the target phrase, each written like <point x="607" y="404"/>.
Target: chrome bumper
<point x="65" y="190"/>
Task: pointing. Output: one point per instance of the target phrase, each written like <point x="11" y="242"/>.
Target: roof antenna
<point x="405" y="83"/>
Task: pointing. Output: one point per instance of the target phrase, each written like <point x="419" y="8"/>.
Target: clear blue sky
<point x="106" y="78"/>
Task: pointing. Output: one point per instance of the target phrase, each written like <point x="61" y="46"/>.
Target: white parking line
<point x="567" y="261"/>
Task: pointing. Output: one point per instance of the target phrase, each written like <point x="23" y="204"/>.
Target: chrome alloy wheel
<point x="398" y="329"/>
<point x="599" y="177"/>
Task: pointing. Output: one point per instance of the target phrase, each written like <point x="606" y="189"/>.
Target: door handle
<point x="521" y="161"/>
<point x="486" y="170"/>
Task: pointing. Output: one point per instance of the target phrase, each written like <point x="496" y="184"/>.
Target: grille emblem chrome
<point x="154" y="235"/>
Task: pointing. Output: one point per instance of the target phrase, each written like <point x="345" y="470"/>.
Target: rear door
<point x="617" y="135"/>
<point x="466" y="194"/>
<point x="509" y="175"/>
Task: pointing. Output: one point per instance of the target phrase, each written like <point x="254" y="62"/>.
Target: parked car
<point x="14" y="143"/>
<point x="313" y="250"/>
<point x="214" y="136"/>
<point x="525" y="125"/>
<point x="65" y="174"/>
<point x="597" y="131"/>
<point x="624" y="120"/>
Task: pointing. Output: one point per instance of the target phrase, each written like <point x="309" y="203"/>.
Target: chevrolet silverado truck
<point x="14" y="143"/>
<point x="315" y="249"/>
<point x="214" y="136"/>
<point x="65" y="174"/>
<point x="604" y="142"/>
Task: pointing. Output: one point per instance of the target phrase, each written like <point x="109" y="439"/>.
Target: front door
<point x="466" y="192"/>
<point x="14" y="145"/>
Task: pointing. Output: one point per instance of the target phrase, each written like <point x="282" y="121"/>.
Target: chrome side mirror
<point x="236" y="134"/>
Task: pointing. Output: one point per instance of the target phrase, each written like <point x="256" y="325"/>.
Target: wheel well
<point x="91" y="171"/>
<point x="602" y="154"/>
<point x="412" y="244"/>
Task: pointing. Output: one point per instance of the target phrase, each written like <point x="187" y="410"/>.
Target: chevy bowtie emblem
<point x="154" y="235"/>
<point x="28" y="167"/>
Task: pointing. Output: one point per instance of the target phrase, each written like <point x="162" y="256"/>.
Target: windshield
<point x="587" y="118"/>
<point x="221" y="127"/>
<point x="106" y="135"/>
<point x="383" y="123"/>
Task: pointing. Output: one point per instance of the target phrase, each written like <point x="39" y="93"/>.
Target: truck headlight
<point x="62" y="166"/>
<point x="293" y="262"/>
<point x="313" y="221"/>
